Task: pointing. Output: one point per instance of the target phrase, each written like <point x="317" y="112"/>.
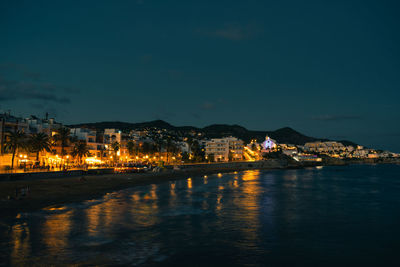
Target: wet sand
<point x="57" y="191"/>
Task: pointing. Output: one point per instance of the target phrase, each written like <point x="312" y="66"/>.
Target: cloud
<point x="15" y="90"/>
<point x="195" y="115"/>
<point x="163" y="113"/>
<point x="233" y="32"/>
<point x="207" y="105"/>
<point x="19" y="83"/>
<point x="337" y="137"/>
<point x="391" y="134"/>
<point x="146" y="58"/>
<point x="336" y="117"/>
<point x="33" y="75"/>
<point x="175" y="74"/>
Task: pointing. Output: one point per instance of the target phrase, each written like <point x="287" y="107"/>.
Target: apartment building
<point x="328" y="147"/>
<point x="47" y="126"/>
<point x="8" y="124"/>
<point x="224" y="149"/>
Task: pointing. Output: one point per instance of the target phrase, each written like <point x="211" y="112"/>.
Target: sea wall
<point x="237" y="166"/>
<point x="29" y="176"/>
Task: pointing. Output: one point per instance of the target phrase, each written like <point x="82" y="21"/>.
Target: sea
<point x="320" y="216"/>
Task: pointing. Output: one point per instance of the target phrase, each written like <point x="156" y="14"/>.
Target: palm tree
<point x="102" y="148"/>
<point x="115" y="146"/>
<point x="38" y="142"/>
<point x="131" y="147"/>
<point x="159" y="142"/>
<point x="63" y="137"/>
<point x="254" y="147"/>
<point x="15" y="141"/>
<point x="170" y="147"/>
<point x="80" y="150"/>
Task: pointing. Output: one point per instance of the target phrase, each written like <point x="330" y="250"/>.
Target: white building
<point x="89" y="136"/>
<point x="269" y="144"/>
<point x="112" y="135"/>
<point x="224" y="149"/>
<point x="327" y="147"/>
<point x="85" y="134"/>
<point x="47" y="126"/>
<point x="183" y="146"/>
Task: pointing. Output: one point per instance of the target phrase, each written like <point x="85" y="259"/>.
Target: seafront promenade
<point x="53" y="188"/>
<point x="50" y="188"/>
<point x="239" y="165"/>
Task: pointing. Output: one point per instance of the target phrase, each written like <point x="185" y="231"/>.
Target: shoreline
<point x="48" y="193"/>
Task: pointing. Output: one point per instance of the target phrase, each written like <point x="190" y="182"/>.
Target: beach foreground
<point x="325" y="216"/>
<point x="54" y="191"/>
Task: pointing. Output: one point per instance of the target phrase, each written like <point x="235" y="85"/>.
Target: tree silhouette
<point x="15" y="141"/>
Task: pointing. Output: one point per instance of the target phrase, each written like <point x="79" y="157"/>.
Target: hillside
<point x="283" y="135"/>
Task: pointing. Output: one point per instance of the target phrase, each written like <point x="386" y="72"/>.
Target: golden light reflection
<point x="205" y="179"/>
<point x="54" y="208"/>
<point x="153" y="192"/>
<point x="135" y="196"/>
<point x="205" y="204"/>
<point x="172" y="190"/>
<point x="110" y="212"/>
<point x="94" y="214"/>
<point x="251" y="175"/>
<point x="144" y="206"/>
<point x="249" y="207"/>
<point x="20" y="240"/>
<point x="56" y="230"/>
<point x="290" y="175"/>
<point x="189" y="183"/>
<point x="219" y="175"/>
<point x="219" y="205"/>
<point x="172" y="193"/>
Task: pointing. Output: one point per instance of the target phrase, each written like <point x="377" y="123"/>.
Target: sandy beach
<point x="56" y="191"/>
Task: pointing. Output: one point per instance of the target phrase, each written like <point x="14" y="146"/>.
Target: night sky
<point x="325" y="68"/>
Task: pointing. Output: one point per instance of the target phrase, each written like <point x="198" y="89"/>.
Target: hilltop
<point x="282" y="135"/>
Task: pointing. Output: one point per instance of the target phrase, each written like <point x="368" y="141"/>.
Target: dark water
<point x="336" y="216"/>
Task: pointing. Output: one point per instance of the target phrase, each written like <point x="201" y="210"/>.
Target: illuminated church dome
<point x="269" y="143"/>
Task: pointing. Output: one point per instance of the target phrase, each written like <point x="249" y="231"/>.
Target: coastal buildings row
<point x="224" y="149"/>
<point x="110" y="146"/>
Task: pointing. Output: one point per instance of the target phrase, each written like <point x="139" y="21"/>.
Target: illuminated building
<point x="224" y="149"/>
<point x="328" y="147"/>
<point x="269" y="144"/>
<point x="9" y="123"/>
<point x="47" y="126"/>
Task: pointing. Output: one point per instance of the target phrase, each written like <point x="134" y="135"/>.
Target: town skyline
<point x="95" y="124"/>
<point x="199" y="133"/>
<point x="328" y="70"/>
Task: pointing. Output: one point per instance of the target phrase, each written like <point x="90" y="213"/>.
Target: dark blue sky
<point x="326" y="68"/>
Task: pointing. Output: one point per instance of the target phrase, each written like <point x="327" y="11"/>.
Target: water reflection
<point x="97" y="224"/>
<point x="56" y="230"/>
<point x="242" y="217"/>
<point x="172" y="189"/>
<point x="141" y="210"/>
<point x="249" y="206"/>
<point x="20" y="240"/>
